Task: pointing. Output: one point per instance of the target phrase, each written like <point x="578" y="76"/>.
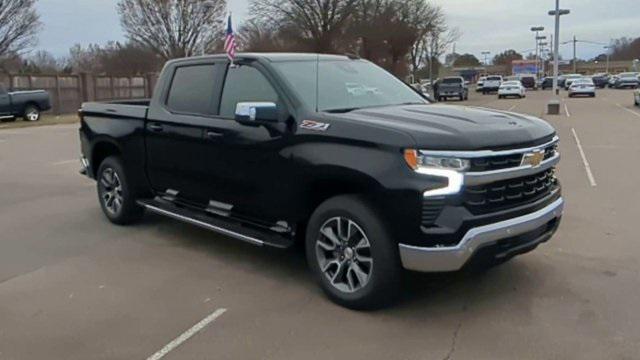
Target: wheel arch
<point x="343" y="182"/>
<point x="101" y="150"/>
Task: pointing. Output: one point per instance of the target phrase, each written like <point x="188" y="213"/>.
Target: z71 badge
<point x="314" y="125"/>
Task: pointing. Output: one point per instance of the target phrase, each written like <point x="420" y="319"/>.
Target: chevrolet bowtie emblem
<point x="533" y="158"/>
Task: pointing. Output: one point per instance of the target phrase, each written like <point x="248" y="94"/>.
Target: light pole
<point x="557" y="13"/>
<point x="485" y="54"/>
<point x="608" y="47"/>
<point x="537" y="29"/>
<point x="539" y="44"/>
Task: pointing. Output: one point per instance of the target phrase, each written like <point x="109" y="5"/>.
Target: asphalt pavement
<point x="73" y="286"/>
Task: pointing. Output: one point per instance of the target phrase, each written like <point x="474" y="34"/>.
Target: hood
<point x="446" y="127"/>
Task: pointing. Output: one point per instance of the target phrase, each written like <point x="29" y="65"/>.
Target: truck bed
<point x="136" y="109"/>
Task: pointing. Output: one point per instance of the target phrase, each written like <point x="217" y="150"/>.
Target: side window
<point x="244" y="83"/>
<point x="192" y="89"/>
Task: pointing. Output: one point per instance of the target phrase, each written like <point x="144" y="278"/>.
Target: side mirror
<point x="256" y="113"/>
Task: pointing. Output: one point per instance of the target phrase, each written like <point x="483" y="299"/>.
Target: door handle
<point x="213" y="134"/>
<point x="155" y="127"/>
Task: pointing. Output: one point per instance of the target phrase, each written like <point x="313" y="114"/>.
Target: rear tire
<point x="115" y="193"/>
<point x="351" y="255"/>
<point x="31" y="113"/>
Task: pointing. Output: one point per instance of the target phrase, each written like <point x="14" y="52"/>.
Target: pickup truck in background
<point x="491" y="84"/>
<point x="331" y="152"/>
<point x="452" y="87"/>
<point x="26" y="104"/>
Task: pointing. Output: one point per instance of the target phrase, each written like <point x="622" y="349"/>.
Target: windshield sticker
<point x="314" y="125"/>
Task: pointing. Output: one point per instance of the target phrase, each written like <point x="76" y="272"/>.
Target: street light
<point x="537" y="29"/>
<point x="608" y="47"/>
<point x="485" y="53"/>
<point x="557" y="13"/>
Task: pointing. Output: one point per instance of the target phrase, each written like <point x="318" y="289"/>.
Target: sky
<point x="486" y="25"/>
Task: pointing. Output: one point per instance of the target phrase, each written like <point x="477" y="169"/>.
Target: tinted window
<point x="192" y="89"/>
<point x="494" y="78"/>
<point x="245" y="84"/>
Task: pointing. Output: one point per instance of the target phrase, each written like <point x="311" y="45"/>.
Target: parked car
<point x="570" y="78"/>
<point x="584" y="86"/>
<point x="561" y="81"/>
<point x="528" y="81"/>
<point x="452" y="87"/>
<point x="636" y="97"/>
<point x="612" y="81"/>
<point x="511" y="88"/>
<point x="627" y="80"/>
<point x="491" y="84"/>
<point x="480" y="83"/>
<point x="368" y="182"/>
<point x="26" y="104"/>
<point x="546" y="83"/>
<point x="600" y="80"/>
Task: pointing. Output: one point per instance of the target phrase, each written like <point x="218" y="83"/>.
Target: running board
<point x="219" y="225"/>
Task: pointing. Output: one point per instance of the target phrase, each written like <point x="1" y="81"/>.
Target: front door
<point x="245" y="166"/>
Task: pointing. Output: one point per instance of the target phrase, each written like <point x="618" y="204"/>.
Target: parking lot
<point x="73" y="286"/>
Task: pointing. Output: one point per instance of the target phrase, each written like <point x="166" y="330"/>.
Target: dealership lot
<point x="74" y="286"/>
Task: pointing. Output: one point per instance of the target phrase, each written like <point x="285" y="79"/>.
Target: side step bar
<point x="216" y="224"/>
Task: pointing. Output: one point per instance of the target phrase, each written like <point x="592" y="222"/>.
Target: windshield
<point x="583" y="81"/>
<point x="494" y="78"/>
<point x="511" y="83"/>
<point x="344" y="85"/>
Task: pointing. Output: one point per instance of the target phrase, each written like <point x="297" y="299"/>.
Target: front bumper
<point x="542" y="223"/>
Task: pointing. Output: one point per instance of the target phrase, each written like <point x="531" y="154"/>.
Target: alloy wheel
<point x="111" y="191"/>
<point x="344" y="255"/>
<point x="33" y="115"/>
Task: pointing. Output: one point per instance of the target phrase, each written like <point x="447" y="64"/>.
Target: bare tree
<point x="19" y="25"/>
<point x="436" y="42"/>
<point x="174" y="28"/>
<point x="315" y="25"/>
<point x="44" y="62"/>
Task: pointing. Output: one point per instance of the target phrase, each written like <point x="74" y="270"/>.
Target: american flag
<point x="230" y="41"/>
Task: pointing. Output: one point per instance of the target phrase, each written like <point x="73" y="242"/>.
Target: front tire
<point x="31" y="113"/>
<point x="351" y="255"/>
<point x="115" y="193"/>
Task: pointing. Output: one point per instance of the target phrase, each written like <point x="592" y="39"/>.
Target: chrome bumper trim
<point x="84" y="166"/>
<point x="452" y="258"/>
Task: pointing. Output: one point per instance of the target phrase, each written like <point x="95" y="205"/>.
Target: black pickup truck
<point x="26" y="104"/>
<point x="332" y="152"/>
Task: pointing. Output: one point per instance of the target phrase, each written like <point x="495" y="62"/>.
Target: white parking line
<point x="186" y="335"/>
<point x="566" y="110"/>
<point x="628" y="110"/>
<point x="592" y="179"/>
<point x="513" y="107"/>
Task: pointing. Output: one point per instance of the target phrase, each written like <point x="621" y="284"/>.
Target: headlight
<point x="446" y="167"/>
<point x="418" y="161"/>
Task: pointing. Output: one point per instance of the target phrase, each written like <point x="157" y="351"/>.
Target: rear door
<point x="175" y="130"/>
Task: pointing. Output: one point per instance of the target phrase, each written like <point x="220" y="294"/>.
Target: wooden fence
<point x="68" y="92"/>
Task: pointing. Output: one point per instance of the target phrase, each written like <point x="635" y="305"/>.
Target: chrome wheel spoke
<point x="331" y="235"/>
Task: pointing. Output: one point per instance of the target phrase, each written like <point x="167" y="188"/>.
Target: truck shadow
<point x="422" y="293"/>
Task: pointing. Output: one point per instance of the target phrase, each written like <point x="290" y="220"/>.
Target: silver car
<point x="584" y="86"/>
